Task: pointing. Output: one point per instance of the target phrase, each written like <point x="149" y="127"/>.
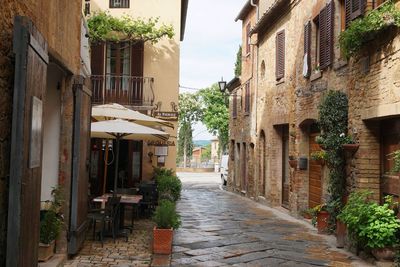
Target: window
<point x="87" y="7"/>
<point x="118" y="65"/>
<point x="324" y="40"/>
<point x="119" y="3"/>
<point x="280" y="55"/>
<point x="352" y="10"/>
<point x="248" y="38"/>
<point x="307" y="49"/>
<point x="247" y="98"/>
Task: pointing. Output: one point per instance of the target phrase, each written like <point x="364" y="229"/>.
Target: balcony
<point x="136" y="92"/>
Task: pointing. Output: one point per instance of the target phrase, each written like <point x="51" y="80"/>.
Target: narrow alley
<point x="218" y="231"/>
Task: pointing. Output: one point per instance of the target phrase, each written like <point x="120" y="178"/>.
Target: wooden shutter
<point x="326" y="25"/>
<point x="137" y="59"/>
<point x="97" y="59"/>
<point x="354" y="9"/>
<point x="307" y="46"/>
<point x="280" y="55"/>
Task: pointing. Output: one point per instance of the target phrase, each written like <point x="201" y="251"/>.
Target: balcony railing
<point x="124" y="90"/>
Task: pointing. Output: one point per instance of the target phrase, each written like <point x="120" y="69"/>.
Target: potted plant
<point x="166" y="219"/>
<point x="51" y="225"/>
<point x="293" y="162"/>
<point x="320" y="218"/>
<point x="319" y="156"/>
<point x="371" y="226"/>
<point x="348" y="143"/>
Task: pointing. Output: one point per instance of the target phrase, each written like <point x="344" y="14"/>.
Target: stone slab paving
<point x="135" y="252"/>
<point x="223" y="229"/>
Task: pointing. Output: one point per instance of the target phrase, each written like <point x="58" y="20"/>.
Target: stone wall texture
<point x="371" y="80"/>
<point x="59" y="22"/>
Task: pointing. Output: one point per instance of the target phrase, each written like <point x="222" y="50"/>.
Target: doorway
<point x="262" y="161"/>
<point x="315" y="170"/>
<point x="285" y="165"/>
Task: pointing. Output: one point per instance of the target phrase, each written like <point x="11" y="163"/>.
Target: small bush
<point x="169" y="186"/>
<point x="160" y="172"/>
<point x="165" y="215"/>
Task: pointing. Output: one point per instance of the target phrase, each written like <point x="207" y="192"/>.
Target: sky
<point x="208" y="51"/>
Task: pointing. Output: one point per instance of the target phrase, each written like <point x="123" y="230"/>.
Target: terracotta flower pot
<point x="351" y="147"/>
<point x="383" y="254"/>
<point x="320" y="162"/>
<point x="322" y="222"/>
<point x="340" y="234"/>
<point x="293" y="163"/>
<point x="46" y="251"/>
<point x="162" y="240"/>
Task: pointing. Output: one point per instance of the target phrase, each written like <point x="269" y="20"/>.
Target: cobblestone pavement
<point x="135" y="252"/>
<point x="223" y="229"/>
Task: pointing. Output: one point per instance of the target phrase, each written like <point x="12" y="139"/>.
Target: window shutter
<point x="280" y="55"/>
<point x="97" y="58"/>
<point x="137" y="59"/>
<point x="322" y="39"/>
<point x="307" y="47"/>
<point x="354" y="9"/>
<point x="330" y="11"/>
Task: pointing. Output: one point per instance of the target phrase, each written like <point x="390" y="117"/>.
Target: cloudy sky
<point x="212" y="38"/>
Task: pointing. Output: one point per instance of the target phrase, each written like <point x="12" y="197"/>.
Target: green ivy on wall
<point x="333" y="116"/>
<point x="365" y="29"/>
<point x="104" y="27"/>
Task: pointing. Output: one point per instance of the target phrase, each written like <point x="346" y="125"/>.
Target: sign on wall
<point x="166" y="115"/>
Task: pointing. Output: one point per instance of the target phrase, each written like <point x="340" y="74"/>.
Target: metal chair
<point x="108" y="215"/>
<point x="149" y="198"/>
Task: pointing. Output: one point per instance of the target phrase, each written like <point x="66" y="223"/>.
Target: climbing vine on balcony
<point x="333" y="115"/>
<point x="104" y="27"/>
<point x="363" y="30"/>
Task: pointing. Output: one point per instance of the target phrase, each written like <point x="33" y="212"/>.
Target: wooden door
<point x="315" y="172"/>
<point x="244" y="168"/>
<point x="80" y="167"/>
<point x="31" y="59"/>
<point x="390" y="142"/>
<point x="285" y="166"/>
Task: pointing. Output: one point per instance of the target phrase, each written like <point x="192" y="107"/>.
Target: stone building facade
<point x="43" y="42"/>
<point x="293" y="76"/>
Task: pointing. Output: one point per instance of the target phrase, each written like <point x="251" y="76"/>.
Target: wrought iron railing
<point x="124" y="90"/>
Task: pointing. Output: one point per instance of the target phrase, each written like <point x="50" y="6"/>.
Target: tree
<point x="238" y="63"/>
<point x="206" y="155"/>
<point x="189" y="112"/>
<point x="215" y="114"/>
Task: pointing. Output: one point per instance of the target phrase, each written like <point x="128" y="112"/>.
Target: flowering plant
<point x="319" y="155"/>
<point x="346" y="139"/>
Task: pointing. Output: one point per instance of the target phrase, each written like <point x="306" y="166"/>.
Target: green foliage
<point x="159" y="172"/>
<point x="238" y="63"/>
<point x="215" y="113"/>
<point x="363" y="30"/>
<point x="165" y="215"/>
<point x="396" y="161"/>
<point x="185" y="140"/>
<point x="104" y="27"/>
<point x="370" y="225"/>
<point x="333" y="115"/>
<point x="319" y="155"/>
<point x="52" y="222"/>
<point x="206" y="153"/>
<point x="169" y="186"/>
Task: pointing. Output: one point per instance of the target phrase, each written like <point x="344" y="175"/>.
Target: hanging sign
<point x="166" y="115"/>
<point x="161" y="143"/>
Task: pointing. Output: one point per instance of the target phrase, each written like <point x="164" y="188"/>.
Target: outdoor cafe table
<point x="125" y="200"/>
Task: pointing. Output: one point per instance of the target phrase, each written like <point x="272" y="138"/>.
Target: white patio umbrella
<point x="122" y="129"/>
<point x="117" y="111"/>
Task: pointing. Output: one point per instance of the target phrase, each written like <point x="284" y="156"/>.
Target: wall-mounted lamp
<point x="150" y="154"/>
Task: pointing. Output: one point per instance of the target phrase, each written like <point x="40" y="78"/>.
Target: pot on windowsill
<point x="351" y="147"/>
<point x="384" y="254"/>
<point x="46" y="251"/>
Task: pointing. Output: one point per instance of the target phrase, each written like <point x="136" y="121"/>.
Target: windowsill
<point x="234" y="117"/>
<point x="315" y="76"/>
<point x="248" y="54"/>
<point x="340" y="64"/>
<point x="246" y="113"/>
<point x="282" y="80"/>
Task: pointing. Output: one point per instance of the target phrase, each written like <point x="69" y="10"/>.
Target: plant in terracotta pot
<point x="293" y="162"/>
<point x="319" y="156"/>
<point x="51" y="225"/>
<point x="166" y="219"/>
<point x="348" y="143"/>
<point x="320" y="218"/>
<point x="371" y="226"/>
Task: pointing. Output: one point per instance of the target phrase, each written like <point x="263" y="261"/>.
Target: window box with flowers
<point x="348" y="143"/>
<point x="319" y="157"/>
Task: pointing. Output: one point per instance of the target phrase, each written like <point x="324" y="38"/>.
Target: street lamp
<point x="222" y="85"/>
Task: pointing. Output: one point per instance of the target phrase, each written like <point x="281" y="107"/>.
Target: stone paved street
<point x="222" y="229"/>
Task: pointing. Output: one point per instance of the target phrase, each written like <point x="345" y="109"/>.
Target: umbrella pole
<point x="116" y="165"/>
<point x="105" y="167"/>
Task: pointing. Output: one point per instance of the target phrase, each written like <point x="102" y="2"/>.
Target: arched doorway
<point x="262" y="161"/>
<point x="315" y="169"/>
